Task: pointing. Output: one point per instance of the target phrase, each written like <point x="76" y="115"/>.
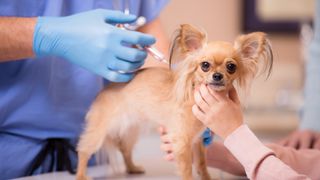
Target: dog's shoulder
<point x="153" y="72"/>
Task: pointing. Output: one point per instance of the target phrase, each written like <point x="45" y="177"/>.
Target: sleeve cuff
<point x="247" y="148"/>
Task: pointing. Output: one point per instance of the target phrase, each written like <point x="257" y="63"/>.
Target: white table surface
<point x="148" y="154"/>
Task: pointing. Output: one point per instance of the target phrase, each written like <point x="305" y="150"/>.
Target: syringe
<point x="154" y="52"/>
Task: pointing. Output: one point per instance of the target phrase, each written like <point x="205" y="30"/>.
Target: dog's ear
<point x="254" y="51"/>
<point x="191" y="38"/>
<point x="187" y="39"/>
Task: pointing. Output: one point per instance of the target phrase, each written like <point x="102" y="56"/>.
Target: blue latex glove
<point x="207" y="137"/>
<point x="90" y="40"/>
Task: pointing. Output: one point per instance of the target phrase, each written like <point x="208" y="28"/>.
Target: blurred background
<point x="272" y="108"/>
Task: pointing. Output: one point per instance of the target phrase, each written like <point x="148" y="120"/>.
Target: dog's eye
<point x="205" y="66"/>
<point x="231" y="68"/>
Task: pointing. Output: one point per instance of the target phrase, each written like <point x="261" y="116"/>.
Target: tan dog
<point x="165" y="96"/>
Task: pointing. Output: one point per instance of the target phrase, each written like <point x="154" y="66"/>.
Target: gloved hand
<point x="90" y="40"/>
<point x="207" y="137"/>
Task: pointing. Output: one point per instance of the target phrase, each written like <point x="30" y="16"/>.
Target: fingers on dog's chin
<point x="195" y="109"/>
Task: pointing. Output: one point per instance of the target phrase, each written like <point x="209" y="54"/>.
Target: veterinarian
<point x="53" y="55"/>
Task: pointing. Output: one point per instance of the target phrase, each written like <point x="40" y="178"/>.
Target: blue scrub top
<point x="48" y="97"/>
<point x="310" y="115"/>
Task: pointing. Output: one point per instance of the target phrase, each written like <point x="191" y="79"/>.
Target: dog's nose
<point x="217" y="76"/>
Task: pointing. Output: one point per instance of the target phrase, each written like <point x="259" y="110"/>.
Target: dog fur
<point x="165" y="96"/>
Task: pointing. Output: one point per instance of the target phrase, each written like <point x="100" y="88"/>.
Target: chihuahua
<point x="165" y="96"/>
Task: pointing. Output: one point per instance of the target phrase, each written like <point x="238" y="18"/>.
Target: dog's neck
<point x="183" y="83"/>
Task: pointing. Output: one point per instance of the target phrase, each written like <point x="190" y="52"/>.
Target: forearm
<point x="259" y="161"/>
<point x="304" y="161"/>
<point x="16" y="38"/>
<point x="218" y="156"/>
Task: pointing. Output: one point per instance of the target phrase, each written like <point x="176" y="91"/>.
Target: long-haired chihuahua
<point x="165" y="96"/>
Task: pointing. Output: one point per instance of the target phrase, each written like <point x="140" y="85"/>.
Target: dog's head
<point x="217" y="63"/>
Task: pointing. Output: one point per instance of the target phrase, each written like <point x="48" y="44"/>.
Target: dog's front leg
<point x="183" y="154"/>
<point x="200" y="159"/>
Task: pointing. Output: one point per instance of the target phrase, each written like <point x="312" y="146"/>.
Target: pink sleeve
<point x="258" y="161"/>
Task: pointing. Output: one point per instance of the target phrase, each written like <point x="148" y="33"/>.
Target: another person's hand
<point x="220" y="111"/>
<point x="91" y="40"/>
<point x="302" y="139"/>
<point x="218" y="156"/>
<point x="166" y="144"/>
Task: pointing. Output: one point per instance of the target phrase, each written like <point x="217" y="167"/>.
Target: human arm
<point x="90" y="40"/>
<point x="305" y="161"/>
<point x="16" y="36"/>
<point x="258" y="161"/>
<point x="221" y="112"/>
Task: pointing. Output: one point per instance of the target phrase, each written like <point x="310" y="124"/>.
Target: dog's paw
<point x="83" y="177"/>
<point x="136" y="170"/>
<point x="205" y="177"/>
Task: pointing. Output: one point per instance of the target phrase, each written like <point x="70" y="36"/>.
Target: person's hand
<point x="220" y="111"/>
<point x="218" y="156"/>
<point x="90" y="40"/>
<point x="166" y="144"/>
<point x="302" y="139"/>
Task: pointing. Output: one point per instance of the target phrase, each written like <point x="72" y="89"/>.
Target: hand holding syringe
<point x="155" y="53"/>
